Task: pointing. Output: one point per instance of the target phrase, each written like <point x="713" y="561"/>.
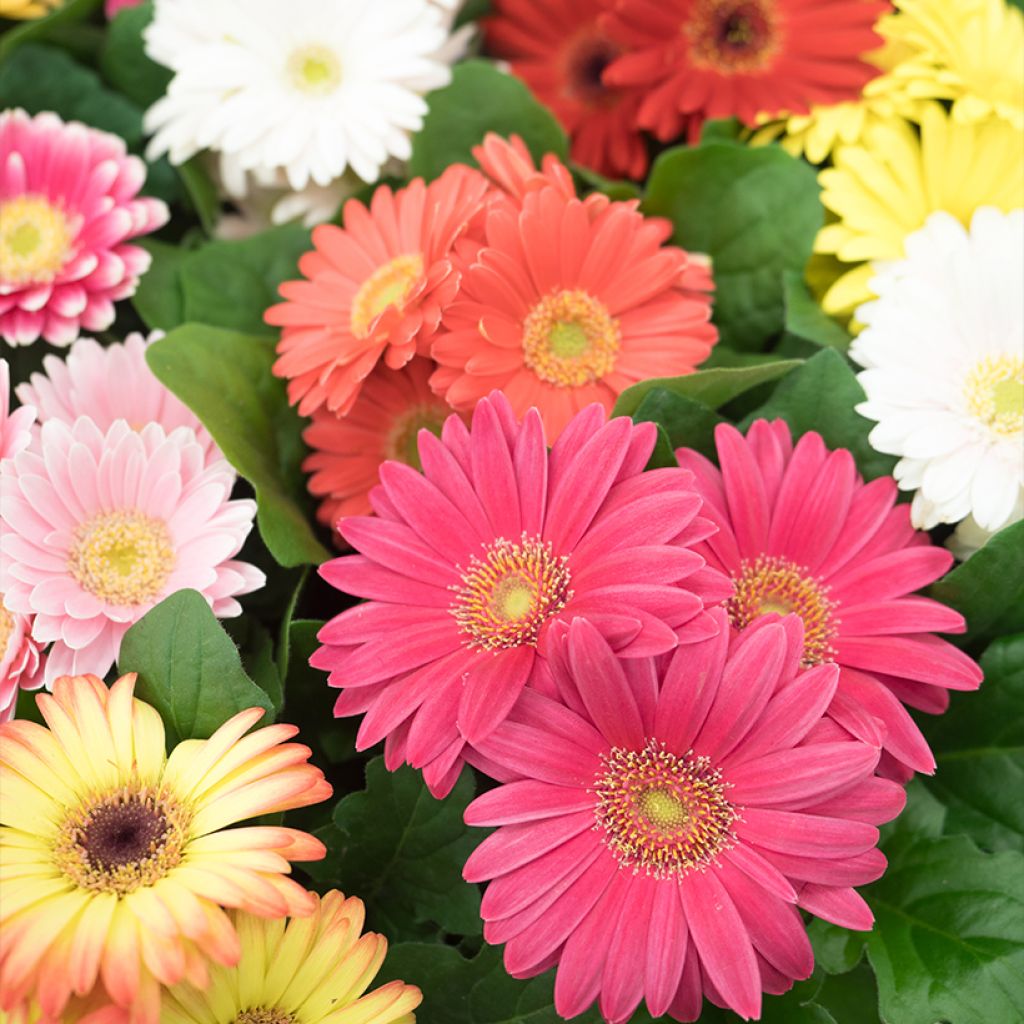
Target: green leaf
<point x="756" y="212"/>
<point x="988" y="589"/>
<point x="402" y="851"/>
<point x="284" y="642"/>
<point x="158" y="299"/>
<point x="225" y="378"/>
<point x="39" y="29"/>
<point x="805" y="319"/>
<point x="712" y="388"/>
<point x="850" y="998"/>
<point x="979" y="748"/>
<point x="683" y="421"/>
<point x="202" y="194"/>
<point x="256" y="648"/>
<point x="189" y="668"/>
<point x="123" y="59"/>
<point x="481" y="99"/>
<point x="821" y="396"/>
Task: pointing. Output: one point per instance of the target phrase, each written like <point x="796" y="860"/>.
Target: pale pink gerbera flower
<point x="660" y="831"/>
<point x="469" y="564"/>
<point x="800" y="531"/>
<point x="16" y="426"/>
<point x="68" y="204"/>
<point x="100" y="526"/>
<point x="107" y="384"/>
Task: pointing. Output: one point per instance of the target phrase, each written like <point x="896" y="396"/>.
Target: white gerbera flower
<point x="305" y="86"/>
<point x="944" y="352"/>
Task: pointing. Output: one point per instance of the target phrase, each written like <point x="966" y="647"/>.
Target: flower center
<point x="585" y="63"/>
<point x="122" y="557"/>
<point x="314" y="69"/>
<point x="6" y="628"/>
<point x="570" y="339"/>
<point x="507" y="596"/>
<point x="35" y="240"/>
<point x="773" y="584"/>
<point x="122" y="841"/>
<point x="402" y="443"/>
<point x="662" y="813"/>
<point x="259" y="1015"/>
<point x="732" y="35"/>
<point x="388" y="285"/>
<point x="995" y="393"/>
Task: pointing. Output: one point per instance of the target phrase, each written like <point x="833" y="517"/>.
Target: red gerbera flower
<point x="560" y="51"/>
<point x="702" y="59"/>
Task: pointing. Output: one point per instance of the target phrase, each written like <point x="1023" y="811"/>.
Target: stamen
<point x="388" y="285"/>
<point x="732" y="35"/>
<point x="35" y="240"/>
<point x="314" y="69"/>
<point x="259" y="1015"/>
<point x="402" y="443"/>
<point x="994" y="392"/>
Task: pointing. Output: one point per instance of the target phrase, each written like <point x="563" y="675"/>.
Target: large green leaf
<point x="805" y="319"/>
<point x="481" y="99"/>
<point x="988" y="589"/>
<point x="123" y="59"/>
<point x="402" y="851"/>
<point x="821" y="396"/>
<point x="979" y="748"/>
<point x="225" y="378"/>
<point x="685" y="422"/>
<point x="189" y="668"/>
<point x="158" y="299"/>
<point x="755" y="212"/>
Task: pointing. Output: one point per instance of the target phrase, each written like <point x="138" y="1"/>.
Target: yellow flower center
<point x="662" y="813"/>
<point x="388" y="285"/>
<point x="314" y="69"/>
<point x="6" y="627"/>
<point x="732" y="35"/>
<point x="35" y="240"/>
<point x="122" y="557"/>
<point x="570" y="339"/>
<point x="402" y="443"/>
<point x="123" y="840"/>
<point x="773" y="584"/>
<point x="995" y="393"/>
<point x="507" y="596"/>
<point x="260" y="1015"/>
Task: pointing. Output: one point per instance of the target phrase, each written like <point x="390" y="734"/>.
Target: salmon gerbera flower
<point x="374" y="290"/>
<point x="115" y="857"/>
<point x="467" y="566"/>
<point x="663" y="820"/>
<point x="799" y="531"/>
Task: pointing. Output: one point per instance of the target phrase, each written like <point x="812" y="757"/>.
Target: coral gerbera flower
<point x="560" y="51"/>
<point x="569" y="303"/>
<point x="68" y="205"/>
<point x="392" y="408"/>
<point x="115" y="858"/>
<point x="660" y="831"/>
<point x="374" y="289"/>
<point x="468" y="565"/>
<point x="100" y="526"/>
<point x="314" y="970"/>
<point x="107" y="384"/>
<point x="702" y="59"/>
<point x="799" y="531"/>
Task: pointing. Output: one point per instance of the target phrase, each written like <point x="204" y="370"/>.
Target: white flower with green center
<point x="944" y="368"/>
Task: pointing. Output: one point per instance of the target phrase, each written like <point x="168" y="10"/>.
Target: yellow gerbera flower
<point x="970" y="52"/>
<point x="115" y="859"/>
<point x="884" y="189"/>
<point x="308" y="971"/>
<point x="25" y="9"/>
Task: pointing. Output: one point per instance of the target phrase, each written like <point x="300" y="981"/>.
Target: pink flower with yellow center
<point x="799" y="531"/>
<point x="467" y="566"/>
<point x="116" y="862"/>
<point x="69" y="204"/>
<point x="663" y="819"/>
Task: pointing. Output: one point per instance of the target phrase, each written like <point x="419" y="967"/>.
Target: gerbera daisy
<point x="799" y="531"/>
<point x="568" y="304"/>
<point x="392" y="408"/>
<point x="701" y="59"/>
<point x="560" y="51"/>
<point x="21" y="660"/>
<point x="68" y="204"/>
<point x="883" y="190"/>
<point x="660" y="832"/>
<point x="468" y="565"/>
<point x="374" y="289"/>
<point x="300" y="86"/>
<point x="15" y="427"/>
<point x="25" y="9"/>
<point x="945" y="369"/>
<point x="968" y="538"/>
<point x="99" y="526"/>
<point x="107" y="384"/>
<point x="314" y="970"/>
<point x="115" y="859"/>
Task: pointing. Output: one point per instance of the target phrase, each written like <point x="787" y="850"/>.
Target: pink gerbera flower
<point x="374" y="289"/>
<point x="15" y="427"/>
<point x="660" y="831"/>
<point x="107" y="384"/>
<point x="799" y="531"/>
<point x="68" y="204"/>
<point x="468" y="565"/>
<point x="21" y="659"/>
<point x="100" y="526"/>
